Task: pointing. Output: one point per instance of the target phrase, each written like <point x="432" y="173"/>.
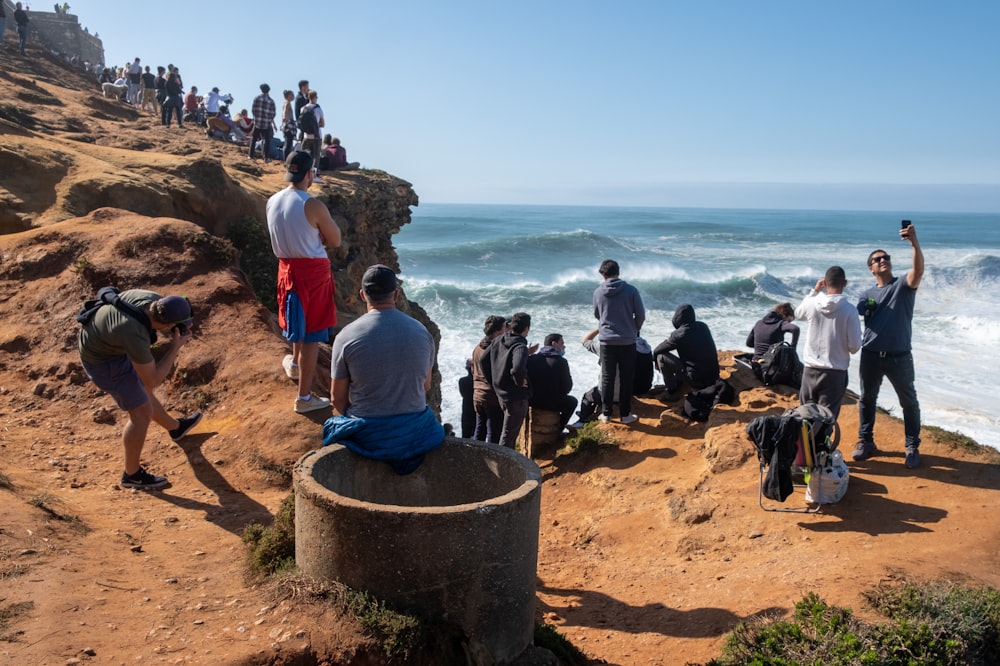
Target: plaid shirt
<point x="263" y="111"/>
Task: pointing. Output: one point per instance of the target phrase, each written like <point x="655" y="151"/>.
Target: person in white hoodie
<point x="834" y="334"/>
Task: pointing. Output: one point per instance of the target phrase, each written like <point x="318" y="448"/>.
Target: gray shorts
<point x="118" y="379"/>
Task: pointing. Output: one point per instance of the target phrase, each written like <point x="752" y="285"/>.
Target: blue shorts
<point x="118" y="379"/>
<point x="295" y="317"/>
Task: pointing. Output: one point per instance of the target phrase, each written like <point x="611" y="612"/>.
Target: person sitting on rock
<point x="772" y="329"/>
<point x="334" y="157"/>
<point x="381" y="366"/>
<point x="550" y="379"/>
<point x="245" y="124"/>
<point x="697" y="360"/>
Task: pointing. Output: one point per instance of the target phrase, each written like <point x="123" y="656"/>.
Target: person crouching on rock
<point x="115" y="348"/>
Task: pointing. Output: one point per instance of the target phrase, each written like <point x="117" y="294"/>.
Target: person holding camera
<point x="115" y="348"/>
<point x="885" y="347"/>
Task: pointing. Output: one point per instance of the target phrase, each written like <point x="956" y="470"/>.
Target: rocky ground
<point x="651" y="550"/>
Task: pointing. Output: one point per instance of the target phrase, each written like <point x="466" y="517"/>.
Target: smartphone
<point x="903" y="225"/>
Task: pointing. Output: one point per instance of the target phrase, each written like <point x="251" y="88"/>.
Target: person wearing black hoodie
<point x="550" y="379"/>
<point x="696" y="362"/>
<point x="772" y="328"/>
<point x="505" y="363"/>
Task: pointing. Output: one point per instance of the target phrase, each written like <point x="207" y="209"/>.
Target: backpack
<point x="698" y="404"/>
<point x="307" y="120"/>
<point x="109" y="296"/>
<point x="781" y="365"/>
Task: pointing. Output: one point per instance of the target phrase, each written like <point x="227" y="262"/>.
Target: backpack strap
<point x="109" y="296"/>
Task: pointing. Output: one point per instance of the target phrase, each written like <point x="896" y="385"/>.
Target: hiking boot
<point x="629" y="418"/>
<point x="604" y="418"/>
<point x="864" y="450"/>
<point x="912" y="458"/>
<point x="143" y="480"/>
<point x="291" y="369"/>
<point x="186" y="423"/>
<point x="311" y="405"/>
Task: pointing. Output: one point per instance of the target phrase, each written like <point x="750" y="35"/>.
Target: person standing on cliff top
<point x="114" y="346"/>
<point x="3" y="23"/>
<point x="834" y="334"/>
<point x="263" y="123"/>
<point x="886" y="347"/>
<point x="21" y="19"/>
<point x="620" y="314"/>
<point x="301" y="229"/>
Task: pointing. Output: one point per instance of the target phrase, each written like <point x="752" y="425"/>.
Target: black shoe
<point x="912" y="457"/>
<point x="186" y="423"/>
<point x="143" y="480"/>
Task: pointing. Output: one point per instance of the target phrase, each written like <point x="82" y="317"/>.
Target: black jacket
<point x="549" y="379"/>
<point x="505" y="364"/>
<point x="695" y="347"/>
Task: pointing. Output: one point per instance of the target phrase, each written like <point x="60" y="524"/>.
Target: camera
<point x="181" y="328"/>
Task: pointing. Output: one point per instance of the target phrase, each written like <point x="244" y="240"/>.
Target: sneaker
<point x="143" y="479"/>
<point x="576" y="425"/>
<point x="864" y="450"/>
<point x="314" y="403"/>
<point x="291" y="369"/>
<point x="186" y="423"/>
<point x="604" y="418"/>
<point x="912" y="457"/>
<point x="629" y="418"/>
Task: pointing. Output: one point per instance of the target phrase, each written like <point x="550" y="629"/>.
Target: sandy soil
<point x="651" y="550"/>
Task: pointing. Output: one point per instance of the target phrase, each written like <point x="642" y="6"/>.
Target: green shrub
<point x="257" y="260"/>
<point x="272" y="549"/>
<point x="938" y="623"/>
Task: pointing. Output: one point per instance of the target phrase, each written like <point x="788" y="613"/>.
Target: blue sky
<point x="855" y="104"/>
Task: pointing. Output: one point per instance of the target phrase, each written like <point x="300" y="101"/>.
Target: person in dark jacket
<point x="550" y="379"/>
<point x="772" y="328"/>
<point x="21" y="20"/>
<point x="697" y="360"/>
<point x="506" y="365"/>
<point x="489" y="413"/>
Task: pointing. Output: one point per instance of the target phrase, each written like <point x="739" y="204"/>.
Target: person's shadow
<point x="235" y="509"/>
<point x="611" y="613"/>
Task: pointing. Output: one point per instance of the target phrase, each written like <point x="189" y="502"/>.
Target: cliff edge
<point x="651" y="548"/>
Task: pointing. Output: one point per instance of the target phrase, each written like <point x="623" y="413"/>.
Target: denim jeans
<point x="899" y="370"/>
<point x="22" y="35"/>
<point x="489" y="420"/>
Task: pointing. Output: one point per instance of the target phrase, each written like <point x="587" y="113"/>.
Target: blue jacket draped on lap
<point x="401" y="440"/>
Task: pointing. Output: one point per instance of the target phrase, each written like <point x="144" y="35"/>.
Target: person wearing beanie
<point x="115" y="349"/>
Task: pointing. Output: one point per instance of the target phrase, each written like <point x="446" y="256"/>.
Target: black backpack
<point x="307" y="120"/>
<point x="109" y="296"/>
<point x="781" y="365"/>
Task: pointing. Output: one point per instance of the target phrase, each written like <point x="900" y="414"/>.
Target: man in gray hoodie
<point x="620" y="314"/>
<point x="834" y="334"/>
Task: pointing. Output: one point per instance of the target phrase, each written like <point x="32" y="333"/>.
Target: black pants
<point x="620" y="360"/>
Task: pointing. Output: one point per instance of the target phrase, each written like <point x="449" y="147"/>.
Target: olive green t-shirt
<point x="111" y="333"/>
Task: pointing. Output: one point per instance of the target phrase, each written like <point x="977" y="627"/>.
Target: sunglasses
<point x="881" y="257"/>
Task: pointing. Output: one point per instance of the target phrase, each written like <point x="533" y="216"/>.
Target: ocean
<point x="465" y="262"/>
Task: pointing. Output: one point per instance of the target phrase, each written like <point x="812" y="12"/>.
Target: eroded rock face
<point x="72" y="158"/>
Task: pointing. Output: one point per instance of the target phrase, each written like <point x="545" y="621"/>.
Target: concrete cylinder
<point x="455" y="541"/>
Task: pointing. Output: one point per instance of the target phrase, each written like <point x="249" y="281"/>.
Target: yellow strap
<point x="807" y="448"/>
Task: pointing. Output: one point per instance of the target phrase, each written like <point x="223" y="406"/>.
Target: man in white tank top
<point x="301" y="230"/>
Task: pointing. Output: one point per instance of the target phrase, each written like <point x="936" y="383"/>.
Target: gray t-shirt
<point x="386" y="355"/>
<point x="888" y="324"/>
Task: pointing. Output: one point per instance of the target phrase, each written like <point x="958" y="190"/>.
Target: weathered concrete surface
<point x="456" y="540"/>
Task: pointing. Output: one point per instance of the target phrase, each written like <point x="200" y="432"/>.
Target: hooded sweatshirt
<point x="695" y="347"/>
<point x="619" y="311"/>
<point x="505" y="363"/>
<point x="834" y="330"/>
<point x="768" y="331"/>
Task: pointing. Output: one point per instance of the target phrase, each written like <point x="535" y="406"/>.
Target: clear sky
<point x="856" y="104"/>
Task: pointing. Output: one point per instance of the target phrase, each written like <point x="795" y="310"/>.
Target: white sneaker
<point x="629" y="418"/>
<point x="604" y="418"/>
<point x="291" y="369"/>
<point x="314" y="403"/>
